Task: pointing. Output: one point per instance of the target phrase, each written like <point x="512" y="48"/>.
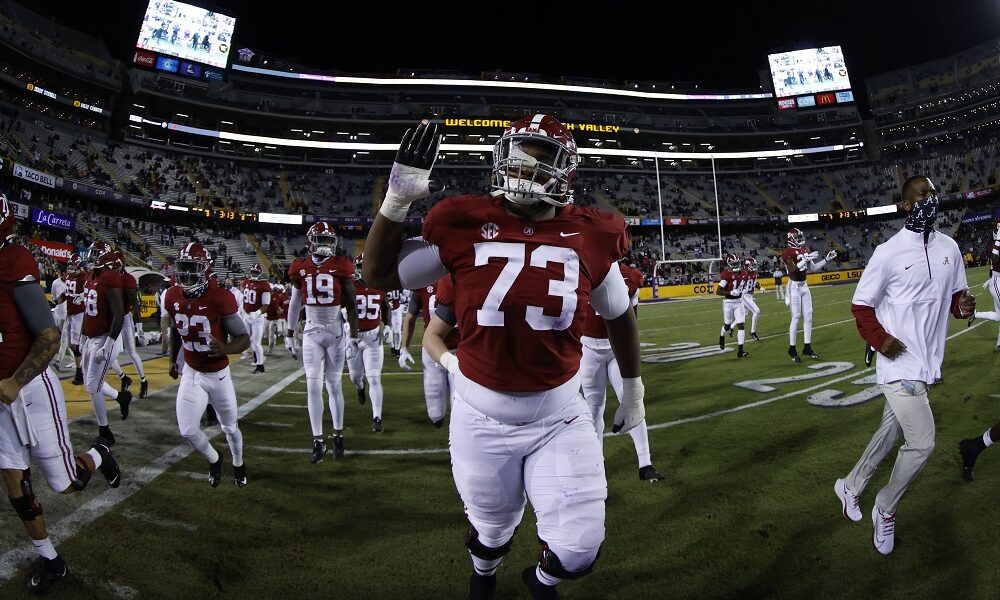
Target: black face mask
<point x="923" y="215"/>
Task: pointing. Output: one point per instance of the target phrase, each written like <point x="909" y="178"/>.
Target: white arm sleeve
<point x="294" y="307"/>
<point x="610" y="299"/>
<point x="419" y="264"/>
<point x="816" y="266"/>
<point x="265" y="300"/>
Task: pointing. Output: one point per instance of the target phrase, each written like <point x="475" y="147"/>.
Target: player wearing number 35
<point x="202" y="315"/>
<point x="525" y="263"/>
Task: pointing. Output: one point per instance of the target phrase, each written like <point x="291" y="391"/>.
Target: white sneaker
<point x="884" y="536"/>
<point x="848" y="500"/>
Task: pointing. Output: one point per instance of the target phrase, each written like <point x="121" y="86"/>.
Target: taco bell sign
<point x="51" y="219"/>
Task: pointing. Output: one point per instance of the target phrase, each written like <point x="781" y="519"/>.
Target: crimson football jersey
<point x="521" y="288"/>
<point x="369" y="306"/>
<point x="130" y="291"/>
<point x="16" y="264"/>
<point x="794" y="255"/>
<point x="253" y="294"/>
<point x="198" y="320"/>
<point x="750" y="282"/>
<point x="97" y="309"/>
<point x="735" y="282"/>
<point x="995" y="257"/>
<point x="74" y="288"/>
<point x="395" y="298"/>
<point x="275" y="310"/>
<point x="320" y="284"/>
<point x="594" y="325"/>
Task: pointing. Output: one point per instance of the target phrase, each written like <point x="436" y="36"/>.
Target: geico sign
<point x="841" y="275"/>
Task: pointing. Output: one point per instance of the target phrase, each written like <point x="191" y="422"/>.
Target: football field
<point x="749" y="448"/>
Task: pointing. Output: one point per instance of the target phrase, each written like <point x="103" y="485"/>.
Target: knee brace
<point x="477" y="549"/>
<point x="550" y="563"/>
<point x="27" y="506"/>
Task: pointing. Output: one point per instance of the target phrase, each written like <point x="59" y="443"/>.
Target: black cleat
<point x="731" y="333"/>
<point x="109" y="466"/>
<point x="538" y="590"/>
<point x="753" y="334"/>
<point x="319" y="449"/>
<point x="808" y="351"/>
<point x="377" y="424"/>
<point x="722" y="342"/>
<point x="649" y="473"/>
<point x="361" y="395"/>
<point x="126" y="381"/>
<point x="52" y="572"/>
<point x="104" y="433"/>
<point x="741" y="353"/>
<point x="215" y="472"/>
<point x="970" y="449"/>
<point x="211" y="419"/>
<point x="259" y="368"/>
<point x="240" y="476"/>
<point x="971" y="320"/>
<point x="437" y="424"/>
<point x="869" y="355"/>
<point x="396" y="352"/>
<point x="338" y="447"/>
<point x="143" y="388"/>
<point x="482" y="587"/>
<point x="78" y="377"/>
<point x="124" y="399"/>
<point x="794" y="354"/>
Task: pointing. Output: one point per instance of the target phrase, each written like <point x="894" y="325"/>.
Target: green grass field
<point x="746" y="511"/>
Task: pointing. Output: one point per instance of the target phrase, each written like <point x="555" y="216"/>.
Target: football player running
<point x="751" y="271"/>
<point x="256" y="299"/>
<point x="77" y="277"/>
<point x="130" y="301"/>
<point x="394" y="334"/>
<point x="322" y="283"/>
<point x="373" y="314"/>
<point x="203" y="316"/>
<point x="525" y="262"/>
<point x="799" y="259"/>
<point x="732" y="284"/>
<point x="992" y="283"/>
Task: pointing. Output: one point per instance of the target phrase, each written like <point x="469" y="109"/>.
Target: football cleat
<point x="53" y="571"/>
<point x="259" y="369"/>
<point x="396" y="352"/>
<point x="741" y="353"/>
<point x="848" y="500"/>
<point x="109" y="466"/>
<point x="143" y="388"/>
<point x="972" y="319"/>
<point x="731" y="331"/>
<point x="126" y="382"/>
<point x="753" y="334"/>
<point x="808" y="351"/>
<point x="124" y="399"/>
<point x="537" y="589"/>
<point x="104" y="433"/>
<point x="377" y="424"/>
<point x="970" y="449"/>
<point x="884" y="531"/>
<point x="319" y="449"/>
<point x="78" y="377"/>
<point x="869" y="355"/>
<point x="794" y="354"/>
<point x="649" y="473"/>
<point x="437" y="424"/>
<point x="361" y="395"/>
<point x="722" y="342"/>
<point x="338" y="447"/>
<point x="482" y="587"/>
<point x="240" y="476"/>
<point x="215" y="472"/>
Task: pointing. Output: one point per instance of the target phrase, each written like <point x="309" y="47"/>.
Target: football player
<point x="130" y="297"/>
<point x="373" y="314"/>
<point x="276" y="325"/>
<point x="732" y="284"/>
<point x="104" y="315"/>
<point x="525" y="262"/>
<point x="32" y="407"/>
<point x="77" y="272"/>
<point x="438" y="382"/>
<point x="751" y="271"/>
<point x="322" y="283"/>
<point x="993" y="283"/>
<point x="598" y="367"/>
<point x="799" y="259"/>
<point x="394" y="333"/>
<point x="256" y="299"/>
<point x="203" y="316"/>
<point x="61" y="299"/>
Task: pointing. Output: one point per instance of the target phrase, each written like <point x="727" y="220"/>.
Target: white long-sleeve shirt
<point x="911" y="289"/>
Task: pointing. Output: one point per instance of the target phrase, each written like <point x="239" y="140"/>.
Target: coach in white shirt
<point x="901" y="306"/>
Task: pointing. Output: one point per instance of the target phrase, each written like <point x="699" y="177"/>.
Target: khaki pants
<point x="907" y="411"/>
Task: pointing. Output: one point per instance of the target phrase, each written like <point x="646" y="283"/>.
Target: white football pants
<point x="367" y="364"/>
<point x="196" y="391"/>
<point x="396" y="328"/>
<point x="597" y="368"/>
<point x="749" y="303"/>
<point x="800" y="302"/>
<point x="323" y="359"/>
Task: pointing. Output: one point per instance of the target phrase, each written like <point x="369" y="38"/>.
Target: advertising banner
<point x="29" y="174"/>
<point x="705" y="289"/>
<point x="52" y="219"/>
<point x="55" y="250"/>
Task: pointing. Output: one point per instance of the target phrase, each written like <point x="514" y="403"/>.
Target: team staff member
<point x="914" y="280"/>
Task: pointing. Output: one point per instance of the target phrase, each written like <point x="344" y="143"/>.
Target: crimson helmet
<point x="256" y="272"/>
<point x="6" y="221"/>
<point x="118" y="262"/>
<point x="358" y="261"/>
<point x="193" y="268"/>
<point x="795" y="238"/>
<point x="750" y="264"/>
<point x="732" y="263"/>
<point x="100" y="254"/>
<point x="535" y="160"/>
<point x="75" y="264"/>
<point x="996" y="231"/>
<point x="322" y="239"/>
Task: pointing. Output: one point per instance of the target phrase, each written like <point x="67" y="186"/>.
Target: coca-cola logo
<point x="144" y="58"/>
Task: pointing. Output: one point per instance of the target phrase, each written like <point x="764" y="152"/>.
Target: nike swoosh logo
<point x="571" y="420"/>
<point x="906" y="268"/>
<point x="114" y="481"/>
<point x="202" y="307"/>
<point x="221" y="378"/>
<point x="564" y="234"/>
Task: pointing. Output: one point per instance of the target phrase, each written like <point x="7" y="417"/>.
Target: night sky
<point x="705" y="42"/>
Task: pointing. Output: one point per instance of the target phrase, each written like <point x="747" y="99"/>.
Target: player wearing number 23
<point x="203" y="315"/>
<point x="525" y="263"/>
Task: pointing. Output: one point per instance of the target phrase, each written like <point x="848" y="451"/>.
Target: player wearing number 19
<point x="202" y="315"/>
<point x="322" y="283"/>
<point x="525" y="263"/>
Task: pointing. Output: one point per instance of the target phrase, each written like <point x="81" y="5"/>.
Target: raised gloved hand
<point x="410" y="178"/>
<point x="405" y="359"/>
<point x="832" y="254"/>
<point x="632" y="411"/>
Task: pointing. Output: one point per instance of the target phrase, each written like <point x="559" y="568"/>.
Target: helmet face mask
<point x="256" y="273"/>
<point x="796" y="239"/>
<point x="733" y="263"/>
<point x="322" y="240"/>
<point x="100" y="255"/>
<point x="750" y="264"/>
<point x="535" y="161"/>
<point x="359" y="260"/>
<point x="192" y="269"/>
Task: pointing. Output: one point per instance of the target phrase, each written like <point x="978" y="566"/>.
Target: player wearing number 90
<point x="202" y="315"/>
<point x="322" y="283"/>
<point x="525" y="263"/>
